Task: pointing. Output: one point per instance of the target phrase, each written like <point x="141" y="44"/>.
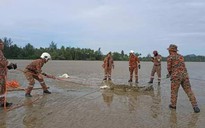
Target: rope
<point x="52" y="77"/>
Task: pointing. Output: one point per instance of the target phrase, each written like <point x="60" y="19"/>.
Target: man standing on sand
<point x="179" y="76"/>
<point x="156" y="67"/>
<point x="4" y="66"/>
<point x="108" y="64"/>
<point x="134" y="64"/>
<point x="33" y="71"/>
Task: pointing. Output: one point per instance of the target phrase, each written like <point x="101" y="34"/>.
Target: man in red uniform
<point x="4" y="65"/>
<point x="179" y="76"/>
<point x="134" y="64"/>
<point x="108" y="64"/>
<point x="156" y="67"/>
<point x="33" y="71"/>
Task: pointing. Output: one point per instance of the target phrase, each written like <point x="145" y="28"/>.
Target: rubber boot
<point x="2" y="103"/>
<point x="136" y="81"/>
<point x="172" y="107"/>
<point x="159" y="81"/>
<point x="105" y="78"/>
<point x="45" y="89"/>
<point x="151" y="81"/>
<point x="28" y="91"/>
<point x="7" y="104"/>
<point x="109" y="77"/>
<point x="130" y="80"/>
<point x="196" y="109"/>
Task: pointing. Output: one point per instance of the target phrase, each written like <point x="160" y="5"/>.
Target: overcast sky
<point x="112" y="25"/>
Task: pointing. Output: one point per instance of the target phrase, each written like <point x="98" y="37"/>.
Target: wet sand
<point x="80" y="103"/>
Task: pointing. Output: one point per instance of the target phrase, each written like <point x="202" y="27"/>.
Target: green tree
<point x="116" y="56"/>
<point x="12" y="51"/>
<point x="16" y="52"/>
<point x="7" y="47"/>
<point x="98" y="54"/>
<point x="53" y="46"/>
<point x="29" y="51"/>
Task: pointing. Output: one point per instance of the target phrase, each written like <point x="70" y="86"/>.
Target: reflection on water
<point x="193" y="120"/>
<point x="107" y="96"/>
<point x="156" y="105"/>
<point x="189" y="121"/>
<point x="30" y="118"/>
<point x="33" y="117"/>
<point x="173" y="119"/>
<point x="3" y="117"/>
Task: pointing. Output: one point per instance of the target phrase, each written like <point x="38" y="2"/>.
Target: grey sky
<point x="112" y="25"/>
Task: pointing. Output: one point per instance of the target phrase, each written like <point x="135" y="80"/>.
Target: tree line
<point x="12" y="51"/>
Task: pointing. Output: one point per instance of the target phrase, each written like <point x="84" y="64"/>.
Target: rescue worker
<point x="134" y="64"/>
<point x="156" y="67"/>
<point x="33" y="72"/>
<point x="108" y="64"/>
<point x="179" y="76"/>
<point x="4" y="66"/>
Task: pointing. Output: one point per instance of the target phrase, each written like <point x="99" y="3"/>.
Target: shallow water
<point x="79" y="101"/>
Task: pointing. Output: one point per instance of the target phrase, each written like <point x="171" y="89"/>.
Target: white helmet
<point x="131" y="51"/>
<point x="46" y="56"/>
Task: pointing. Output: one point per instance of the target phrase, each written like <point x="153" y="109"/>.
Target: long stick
<point x="23" y="89"/>
<point x="62" y="79"/>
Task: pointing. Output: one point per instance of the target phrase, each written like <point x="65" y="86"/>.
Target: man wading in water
<point x="134" y="64"/>
<point x="156" y="67"/>
<point x="4" y="66"/>
<point x="33" y="71"/>
<point x="179" y="76"/>
<point x="108" y="65"/>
